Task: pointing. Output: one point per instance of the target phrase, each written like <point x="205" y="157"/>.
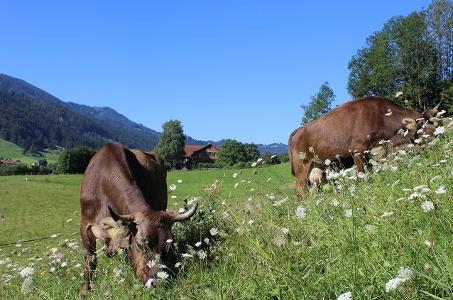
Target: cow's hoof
<point x="84" y="290"/>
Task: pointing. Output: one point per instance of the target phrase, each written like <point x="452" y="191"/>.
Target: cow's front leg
<point x="359" y="161"/>
<point x="89" y="258"/>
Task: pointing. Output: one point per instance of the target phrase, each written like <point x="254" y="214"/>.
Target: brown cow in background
<point x="123" y="199"/>
<point x="346" y="132"/>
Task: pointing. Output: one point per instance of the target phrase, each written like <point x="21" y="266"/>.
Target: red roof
<point x="8" y="162"/>
<point x="191" y="149"/>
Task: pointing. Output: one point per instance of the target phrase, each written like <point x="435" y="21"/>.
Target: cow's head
<point x="150" y="239"/>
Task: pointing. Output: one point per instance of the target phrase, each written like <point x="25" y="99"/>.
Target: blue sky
<point x="225" y="69"/>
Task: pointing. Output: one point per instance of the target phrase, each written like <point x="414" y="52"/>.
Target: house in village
<point x="200" y="154"/>
<point x="9" y="162"/>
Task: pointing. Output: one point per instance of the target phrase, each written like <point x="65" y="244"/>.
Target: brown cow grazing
<point x="123" y="200"/>
<point x="345" y="133"/>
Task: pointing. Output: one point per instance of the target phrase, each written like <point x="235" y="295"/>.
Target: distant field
<point x="12" y="151"/>
<point x="385" y="237"/>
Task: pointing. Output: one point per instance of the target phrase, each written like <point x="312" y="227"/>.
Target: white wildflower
<point x="279" y="240"/>
<point x="404" y="274"/>
<point x="236" y="185"/>
<point x="54" y="235"/>
<point x="345" y="296"/>
<point x="300" y="212"/>
<point x="197" y="244"/>
<point x="186" y="255"/>
<point x="439" y="130"/>
<point x="178" y="264"/>
<point x="348" y="213"/>
<point x="117" y="272"/>
<point x="179" y="181"/>
<point x="285" y="230"/>
<point x="172" y="187"/>
<point x="429" y="243"/>
<point x="253" y="164"/>
<point x="206" y="241"/>
<point x="174" y="197"/>
<point x="235" y="175"/>
<point x="269" y="179"/>
<point x="427" y="206"/>
<point x="202" y="254"/>
<point x="27" y="272"/>
<point x="441" y="190"/>
<point x="64" y="264"/>
<point x="68" y="220"/>
<point x="398" y="94"/>
<point x="213" y="231"/>
<point x="259" y="160"/>
<point x="334" y="202"/>
<point x="415" y="195"/>
<point x="327" y="162"/>
<point x="162" y="275"/>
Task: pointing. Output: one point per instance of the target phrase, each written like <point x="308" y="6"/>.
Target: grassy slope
<point x="324" y="255"/>
<point x="12" y="151"/>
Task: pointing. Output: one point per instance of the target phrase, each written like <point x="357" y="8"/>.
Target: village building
<point x="9" y="162"/>
<point x="200" y="154"/>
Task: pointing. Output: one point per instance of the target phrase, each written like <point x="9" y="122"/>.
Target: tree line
<point x="410" y="61"/>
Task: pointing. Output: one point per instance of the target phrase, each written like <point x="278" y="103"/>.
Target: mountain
<point x="37" y="120"/>
<point x="275" y="148"/>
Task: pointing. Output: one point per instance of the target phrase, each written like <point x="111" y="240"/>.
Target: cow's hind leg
<point x="302" y="179"/>
<point x="89" y="257"/>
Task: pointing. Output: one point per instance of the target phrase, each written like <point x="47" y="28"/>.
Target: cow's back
<point x="153" y="182"/>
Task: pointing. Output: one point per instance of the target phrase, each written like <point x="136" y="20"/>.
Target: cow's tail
<point x="290" y="152"/>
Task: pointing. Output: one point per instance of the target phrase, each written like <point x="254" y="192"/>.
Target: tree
<point x="171" y="144"/>
<point x="233" y="152"/>
<point x="403" y="61"/>
<point x="76" y="160"/>
<point x="319" y="103"/>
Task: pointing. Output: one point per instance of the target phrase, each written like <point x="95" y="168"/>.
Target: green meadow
<point x="385" y="236"/>
<point x="9" y="150"/>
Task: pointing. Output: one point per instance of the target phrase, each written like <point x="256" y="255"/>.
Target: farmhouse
<point x="9" y="162"/>
<point x="200" y="154"/>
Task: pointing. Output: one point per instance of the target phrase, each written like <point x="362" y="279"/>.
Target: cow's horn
<point x="436" y="108"/>
<point x="187" y="214"/>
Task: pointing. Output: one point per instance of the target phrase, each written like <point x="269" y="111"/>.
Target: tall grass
<point x="267" y="243"/>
